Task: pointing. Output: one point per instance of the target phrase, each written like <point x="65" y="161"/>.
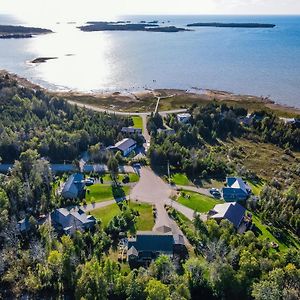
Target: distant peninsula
<point x="232" y="25"/>
<point x="17" y="32"/>
<point x="42" y="59"/>
<point x="120" y="26"/>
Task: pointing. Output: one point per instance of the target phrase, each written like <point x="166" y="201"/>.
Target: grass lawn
<point x="137" y="122"/>
<point x="103" y="192"/>
<point x="212" y="183"/>
<point x="198" y="202"/>
<point x="145" y="221"/>
<point x="265" y="233"/>
<point x="180" y="179"/>
<point x="106" y="213"/>
<point x="133" y="177"/>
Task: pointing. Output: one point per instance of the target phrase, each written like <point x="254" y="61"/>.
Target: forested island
<point x="232" y="25"/>
<point x="120" y="26"/>
<point x="11" y="31"/>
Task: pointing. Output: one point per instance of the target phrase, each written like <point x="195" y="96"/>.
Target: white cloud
<point x="92" y="8"/>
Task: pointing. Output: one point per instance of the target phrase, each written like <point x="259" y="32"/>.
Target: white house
<point x="184" y="117"/>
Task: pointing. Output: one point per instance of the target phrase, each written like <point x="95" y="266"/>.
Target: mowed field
<point x="145" y="220"/>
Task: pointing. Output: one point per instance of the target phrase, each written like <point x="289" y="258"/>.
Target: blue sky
<point x="101" y="8"/>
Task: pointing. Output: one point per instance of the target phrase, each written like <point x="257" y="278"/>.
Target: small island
<point x="232" y="25"/>
<point x="18" y="32"/>
<point x="117" y="26"/>
<point x="41" y="60"/>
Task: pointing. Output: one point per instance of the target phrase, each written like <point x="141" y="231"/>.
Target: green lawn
<point x="106" y="213"/>
<point x="180" y="179"/>
<point x="103" y="192"/>
<point x="198" y="202"/>
<point x="265" y="233"/>
<point x="133" y="177"/>
<point x="137" y="122"/>
<point x="145" y="221"/>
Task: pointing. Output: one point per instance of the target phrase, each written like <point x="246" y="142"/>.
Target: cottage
<point x="131" y="130"/>
<point x="236" y="189"/>
<point x="148" y="245"/>
<point x="24" y="225"/>
<point x="125" y="146"/>
<point x="68" y="221"/>
<point x="184" y="118"/>
<point x="73" y="187"/>
<point x="233" y="212"/>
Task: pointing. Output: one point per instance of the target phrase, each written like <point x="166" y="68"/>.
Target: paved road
<point x="194" y="189"/>
<point x="90" y="207"/>
<point x="152" y="189"/>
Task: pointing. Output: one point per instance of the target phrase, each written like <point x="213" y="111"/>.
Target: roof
<point x="125" y="144"/>
<point x="152" y="241"/>
<point x="132" y="251"/>
<point x="67" y="218"/>
<point x="184" y="115"/>
<point x="74" y="184"/>
<point x="233" y="212"/>
<point x="237" y="183"/>
<point x="163" y="229"/>
<point x="131" y="130"/>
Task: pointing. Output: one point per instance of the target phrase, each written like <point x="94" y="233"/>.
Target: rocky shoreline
<point x="135" y="101"/>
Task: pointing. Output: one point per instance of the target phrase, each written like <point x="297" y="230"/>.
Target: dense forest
<point x="36" y="129"/>
<point x="30" y="119"/>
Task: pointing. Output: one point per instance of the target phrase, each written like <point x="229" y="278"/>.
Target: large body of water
<point x="263" y="62"/>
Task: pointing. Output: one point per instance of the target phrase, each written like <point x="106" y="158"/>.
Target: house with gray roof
<point x="236" y="189"/>
<point x="233" y="212"/>
<point x="148" y="245"/>
<point x="70" y="220"/>
<point x="131" y="130"/>
<point x="125" y="146"/>
<point x="73" y="188"/>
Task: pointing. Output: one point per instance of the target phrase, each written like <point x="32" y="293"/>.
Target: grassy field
<point x="106" y="213"/>
<point x="265" y="233"/>
<point x="137" y="122"/>
<point x="198" y="202"/>
<point x="180" y="179"/>
<point x="145" y="221"/>
<point x="103" y="192"/>
<point x="265" y="160"/>
<point x="133" y="177"/>
<point x="256" y="188"/>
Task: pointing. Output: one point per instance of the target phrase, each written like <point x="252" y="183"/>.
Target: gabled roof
<point x="131" y="130"/>
<point x="125" y="144"/>
<point x="132" y="251"/>
<point x="233" y="212"/>
<point x="237" y="183"/>
<point x="152" y="241"/>
<point x="74" y="184"/>
<point x="163" y="229"/>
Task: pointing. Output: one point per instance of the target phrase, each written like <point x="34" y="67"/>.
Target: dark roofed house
<point x="233" y="212"/>
<point x="68" y="221"/>
<point x="131" y="130"/>
<point x="236" y="189"/>
<point x="125" y="146"/>
<point x="73" y="187"/>
<point x="24" y="225"/>
<point x="148" y="245"/>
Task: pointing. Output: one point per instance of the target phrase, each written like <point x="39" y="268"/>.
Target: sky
<point x="88" y="9"/>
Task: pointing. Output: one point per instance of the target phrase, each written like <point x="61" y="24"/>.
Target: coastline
<point x="144" y="101"/>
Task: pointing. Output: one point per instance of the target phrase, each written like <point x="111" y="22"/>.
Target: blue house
<point x="68" y="221"/>
<point x="236" y="190"/>
<point x="233" y="212"/>
<point x="73" y="187"/>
